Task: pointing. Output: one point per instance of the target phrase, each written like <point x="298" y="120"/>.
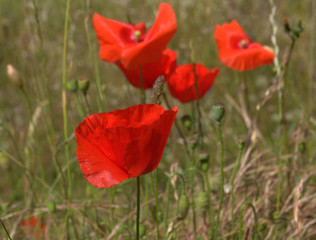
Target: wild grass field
<point x="249" y="175"/>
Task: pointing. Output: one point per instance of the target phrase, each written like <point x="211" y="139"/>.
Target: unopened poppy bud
<point x="186" y="121"/>
<point x="218" y="111"/>
<point x="83" y="84"/>
<point x="51" y="206"/>
<point x="241" y="143"/>
<point x="297" y="30"/>
<point x="183" y="206"/>
<point x="14" y="76"/>
<point x="202" y="202"/>
<point x="193" y="143"/>
<point x="72" y="85"/>
<point x="204" y="160"/>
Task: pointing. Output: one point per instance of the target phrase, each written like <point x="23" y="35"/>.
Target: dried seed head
<point x="157" y="90"/>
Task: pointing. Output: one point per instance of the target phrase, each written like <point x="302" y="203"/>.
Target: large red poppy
<point x="237" y="51"/>
<point x="114" y="146"/>
<point x="151" y="71"/>
<point x="32" y="227"/>
<point x="181" y="83"/>
<point x="129" y="43"/>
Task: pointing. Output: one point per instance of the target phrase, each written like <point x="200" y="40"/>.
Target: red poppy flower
<point x="32" y="227"/>
<point x="237" y="51"/>
<point x="181" y="82"/>
<point x="129" y="43"/>
<point x="151" y="71"/>
<point x="114" y="146"/>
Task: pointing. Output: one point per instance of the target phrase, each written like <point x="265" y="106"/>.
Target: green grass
<point x="32" y="150"/>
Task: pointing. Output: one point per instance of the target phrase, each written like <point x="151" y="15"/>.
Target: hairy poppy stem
<point x="138" y="207"/>
<point x="192" y="195"/>
<point x="5" y="229"/>
<point x="222" y="178"/>
<point x="241" y="218"/>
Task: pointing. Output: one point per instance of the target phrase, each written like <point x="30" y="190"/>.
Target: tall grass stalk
<point x="64" y="107"/>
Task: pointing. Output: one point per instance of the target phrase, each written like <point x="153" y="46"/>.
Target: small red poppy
<point x="151" y="71"/>
<point x="114" y="146"/>
<point x="181" y="83"/>
<point x="32" y="227"/>
<point x="237" y="51"/>
<point x="129" y="43"/>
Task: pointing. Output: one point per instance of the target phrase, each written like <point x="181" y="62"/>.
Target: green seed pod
<point x="204" y="157"/>
<point x="218" y="112"/>
<point x="202" y="203"/>
<point x="187" y="121"/>
<point x="72" y="85"/>
<point x="51" y="206"/>
<point x="183" y="206"/>
<point x="83" y="84"/>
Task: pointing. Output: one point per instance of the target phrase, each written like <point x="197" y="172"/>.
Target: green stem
<point x="211" y="212"/>
<point x="241" y="218"/>
<point x="157" y="204"/>
<point x="141" y="87"/>
<point x="138" y="207"/>
<point x="192" y="194"/>
<point x="5" y="229"/>
<point x="64" y="107"/>
<point x="222" y="179"/>
<point x="233" y="186"/>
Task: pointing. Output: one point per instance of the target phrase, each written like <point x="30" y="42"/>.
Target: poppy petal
<point x="155" y="41"/>
<point x="112" y="36"/>
<point x="151" y="71"/>
<point x="181" y="83"/>
<point x="112" y="147"/>
<point x="236" y="50"/>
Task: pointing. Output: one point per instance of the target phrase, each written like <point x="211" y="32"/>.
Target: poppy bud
<point x="186" y="121"/>
<point x="72" y="85"/>
<point x="297" y="30"/>
<point x="14" y="76"/>
<point x="202" y="202"/>
<point x="218" y="112"/>
<point x="204" y="160"/>
<point x="287" y="27"/>
<point x="183" y="206"/>
<point x="51" y="206"/>
<point x="83" y="84"/>
<point x="241" y="143"/>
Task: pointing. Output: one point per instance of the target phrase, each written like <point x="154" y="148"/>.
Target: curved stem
<point x="241" y="217"/>
<point x="222" y="179"/>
